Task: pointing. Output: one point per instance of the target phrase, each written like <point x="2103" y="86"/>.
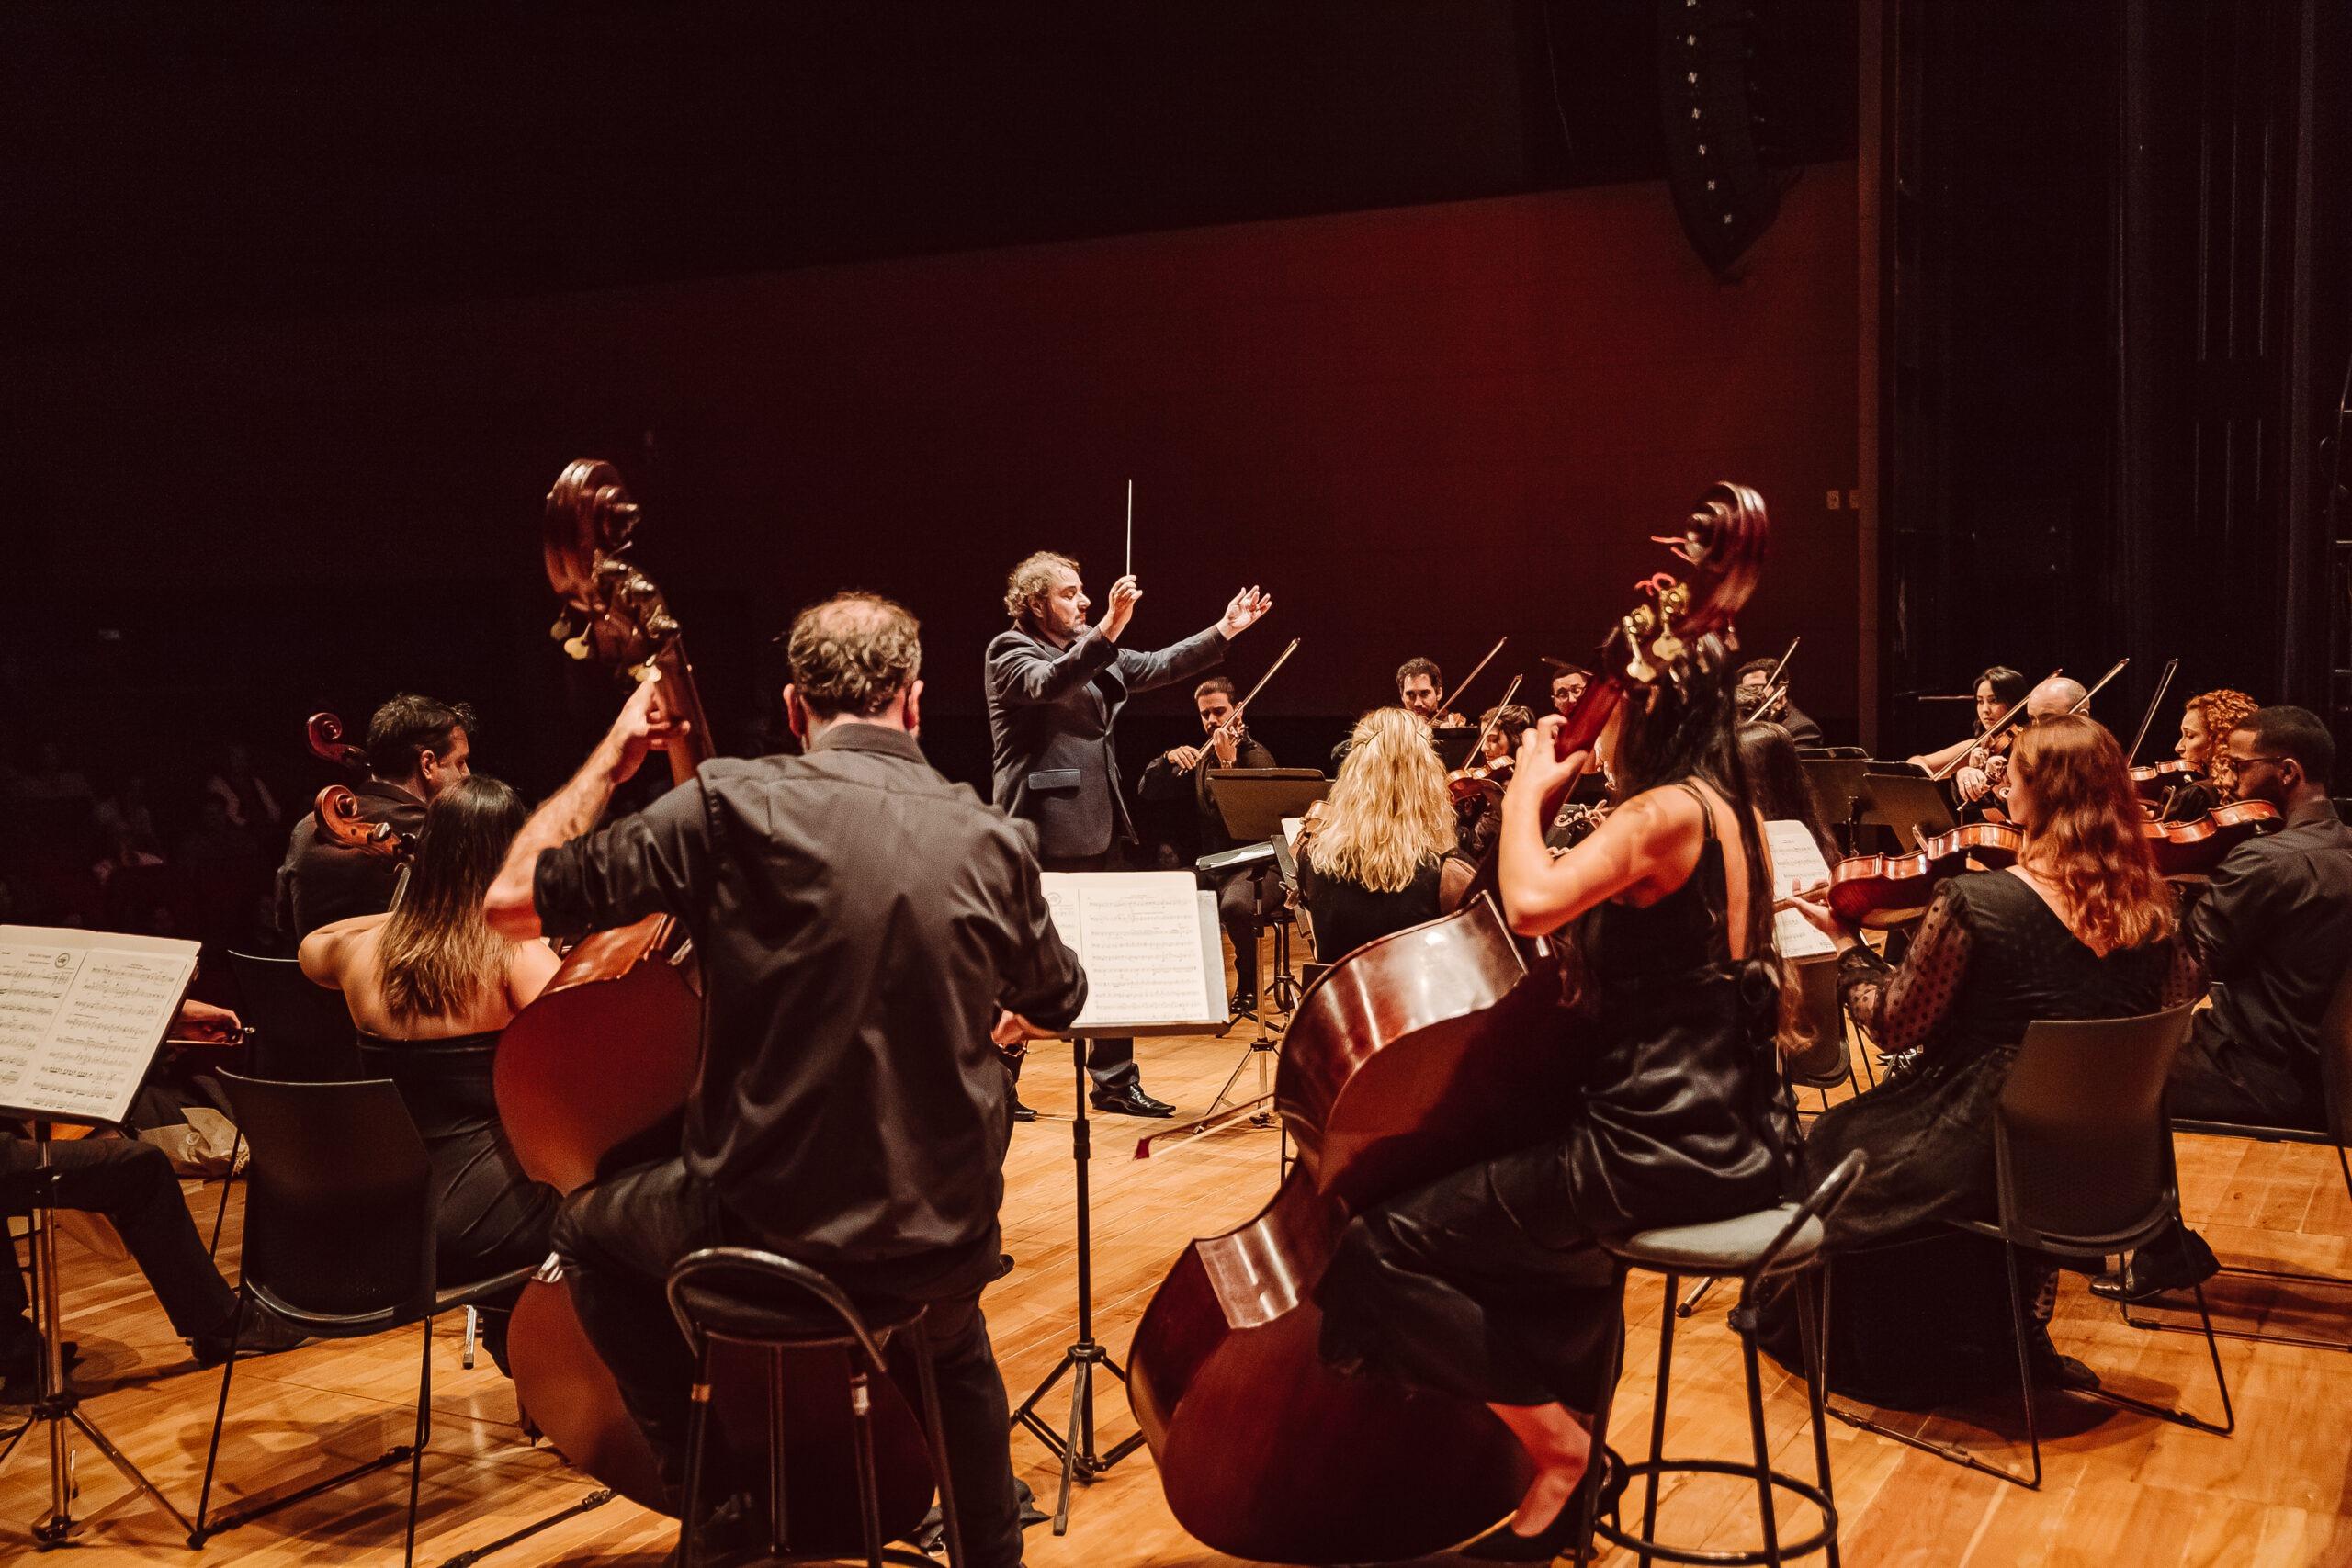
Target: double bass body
<point x="1412" y="1056"/>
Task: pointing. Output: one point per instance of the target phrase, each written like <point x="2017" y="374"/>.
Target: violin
<point x="1880" y="891"/>
<point x="1483" y="779"/>
<point x="2194" y="847"/>
<point x="2154" y="781"/>
<point x="1410" y="1057"/>
<point x="1231" y="729"/>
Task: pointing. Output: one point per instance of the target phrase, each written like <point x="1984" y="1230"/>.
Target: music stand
<point x="1912" y="804"/>
<point x="1456" y="748"/>
<point x="1835" y="784"/>
<point x="156" y="982"/>
<point x="1075" y="1448"/>
<point x="1253" y="804"/>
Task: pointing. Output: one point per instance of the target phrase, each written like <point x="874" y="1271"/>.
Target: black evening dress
<point x="1489" y="1283"/>
<point x="1922" y="1312"/>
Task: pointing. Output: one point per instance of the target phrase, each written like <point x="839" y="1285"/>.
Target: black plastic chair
<point x="2336" y="1098"/>
<point x="1784" y="1240"/>
<point x="339" y="1243"/>
<point x="2082" y="1160"/>
<point x="300" y="1032"/>
<point x="743" y="1297"/>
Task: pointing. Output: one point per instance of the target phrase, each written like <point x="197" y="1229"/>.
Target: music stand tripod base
<point x="1075" y="1448"/>
<point x="57" y="1404"/>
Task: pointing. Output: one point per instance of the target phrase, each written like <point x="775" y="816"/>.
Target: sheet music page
<point x="80" y="1015"/>
<point x="1139" y="934"/>
<point x="1291" y="825"/>
<point x="1796" y="863"/>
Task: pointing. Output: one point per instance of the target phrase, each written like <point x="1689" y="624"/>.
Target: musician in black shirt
<point x="862" y="925"/>
<point x="1246" y="895"/>
<point x="416" y="748"/>
<point x="1756" y="686"/>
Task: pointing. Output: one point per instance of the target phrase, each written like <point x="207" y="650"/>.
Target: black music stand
<point x="1835" y="784"/>
<point x="1254" y="803"/>
<point x="1075" y="1448"/>
<point x="1911" y="803"/>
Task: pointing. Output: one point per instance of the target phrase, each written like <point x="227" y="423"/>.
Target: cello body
<point x="1412" y="1056"/>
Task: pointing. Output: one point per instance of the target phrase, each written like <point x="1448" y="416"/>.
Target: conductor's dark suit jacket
<point x="1050" y="713"/>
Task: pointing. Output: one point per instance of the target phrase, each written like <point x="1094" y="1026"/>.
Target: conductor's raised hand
<point x="1123" y="594"/>
<point x="1246" y="608"/>
<point x="644" y="726"/>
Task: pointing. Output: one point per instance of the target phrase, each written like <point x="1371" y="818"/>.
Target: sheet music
<point x="81" y="1015"/>
<point x="1139" y="934"/>
<point x="1796" y="863"/>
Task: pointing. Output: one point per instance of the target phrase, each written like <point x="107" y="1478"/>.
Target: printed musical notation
<point x="80" y="1015"/>
<point x="1139" y="934"/>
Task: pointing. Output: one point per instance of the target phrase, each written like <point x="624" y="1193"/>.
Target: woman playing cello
<point x="1488" y="1283"/>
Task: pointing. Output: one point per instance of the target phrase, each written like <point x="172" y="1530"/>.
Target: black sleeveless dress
<point x="489" y="1216"/>
<point x="1489" y="1283"/>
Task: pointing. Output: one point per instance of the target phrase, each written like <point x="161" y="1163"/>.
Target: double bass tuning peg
<point x="573" y="639"/>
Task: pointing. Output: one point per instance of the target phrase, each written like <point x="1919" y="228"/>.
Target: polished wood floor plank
<point x="2122" y="1488"/>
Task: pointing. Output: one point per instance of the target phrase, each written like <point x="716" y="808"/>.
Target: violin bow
<point x="1479" y="751"/>
<point x="1478" y="669"/>
<point x="1243" y="707"/>
<point x="1774" y="687"/>
<point x="2007" y="717"/>
<point x="2084" y="701"/>
<point x="2163" y="684"/>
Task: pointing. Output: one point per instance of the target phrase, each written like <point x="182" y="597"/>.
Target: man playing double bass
<point x="860" y="921"/>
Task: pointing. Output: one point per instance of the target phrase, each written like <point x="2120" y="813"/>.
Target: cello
<point x="594" y="1075"/>
<point x="1411" y="1056"/>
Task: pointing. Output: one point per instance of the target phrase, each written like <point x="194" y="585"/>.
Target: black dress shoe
<point x="1243" y="1002"/>
<point x="1129" y="1099"/>
<point x="20" y="1371"/>
<point x="1023" y="1112"/>
<point x="1503" y="1544"/>
<point x="2173" y="1262"/>
<point x="264" y="1335"/>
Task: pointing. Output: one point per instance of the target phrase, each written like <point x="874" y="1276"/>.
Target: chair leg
<point x="424" y="1432"/>
<point x="221" y="1413"/>
<point x="1603" y="1404"/>
<point x="236" y="1147"/>
<point x="935" y="1430"/>
<point x="1690" y="1304"/>
<point x="698" y="1434"/>
<point x="2025" y="1371"/>
<point x="2213" y="1350"/>
<point x="1763" y="1449"/>
<point x="1658" y="1415"/>
<point x="869" y="1505"/>
<point x="1809" y="1328"/>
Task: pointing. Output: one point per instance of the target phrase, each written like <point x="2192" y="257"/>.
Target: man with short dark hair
<point x="1246" y="895"/>
<point x="862" y="926"/>
<point x="2274" y="934"/>
<point x="1055" y="685"/>
<point x="1756" y="701"/>
<point x="1568" y="685"/>
<point x="1420" y="691"/>
<point x="416" y="748"/>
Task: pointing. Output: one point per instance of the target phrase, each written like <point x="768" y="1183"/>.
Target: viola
<point x="596" y="1071"/>
<point x="1878" y="891"/>
<point x="2156" y="780"/>
<point x="1410" y="1057"/>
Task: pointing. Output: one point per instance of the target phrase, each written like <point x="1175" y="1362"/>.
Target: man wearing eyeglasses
<point x="2274" y="933"/>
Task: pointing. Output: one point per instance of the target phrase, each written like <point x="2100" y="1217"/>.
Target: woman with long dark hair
<point x="429" y="986"/>
<point x="2081" y="926"/>
<point x="1490" y="1283"/>
<point x="1983" y="763"/>
<point x="1777" y="778"/>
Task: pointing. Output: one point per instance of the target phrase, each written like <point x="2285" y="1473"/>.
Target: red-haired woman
<point x="2206" y="721"/>
<point x="2081" y="926"/>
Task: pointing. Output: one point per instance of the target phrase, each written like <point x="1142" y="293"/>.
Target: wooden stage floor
<point x="2122" y="1488"/>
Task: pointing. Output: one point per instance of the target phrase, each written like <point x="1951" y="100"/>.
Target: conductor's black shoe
<point x="1129" y="1099"/>
<point x="2174" y="1261"/>
<point x="1023" y="1112"/>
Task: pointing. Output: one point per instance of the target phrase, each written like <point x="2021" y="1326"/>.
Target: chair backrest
<point x="2335" y="1059"/>
<point x="303" y="1032"/>
<point x="2081" y="1143"/>
<point x="1823" y="1062"/>
<point x="338" y="1198"/>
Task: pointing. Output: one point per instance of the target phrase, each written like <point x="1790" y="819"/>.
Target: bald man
<point x="2059" y="694"/>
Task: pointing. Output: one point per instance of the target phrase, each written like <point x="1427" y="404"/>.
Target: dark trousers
<point x="131" y="1184"/>
<point x="1111" y="1062"/>
<point x="1245" y="901"/>
<point x="2213" y="1079"/>
<point x="619" y="1239"/>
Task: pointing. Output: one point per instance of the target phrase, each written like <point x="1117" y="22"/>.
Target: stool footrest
<point x="1616" y="1534"/>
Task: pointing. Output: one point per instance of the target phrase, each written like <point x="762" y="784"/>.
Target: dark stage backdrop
<point x="1420" y="428"/>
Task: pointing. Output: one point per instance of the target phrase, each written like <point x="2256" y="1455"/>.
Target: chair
<point x="2335" y="1096"/>
<point x="2083" y="1161"/>
<point x="747" y="1299"/>
<point x="1753" y="1248"/>
<point x="338" y="1241"/>
<point x="1825" y="1062"/>
<point x="300" y="1032"/>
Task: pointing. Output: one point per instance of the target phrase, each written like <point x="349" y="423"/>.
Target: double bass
<point x="1412" y="1056"/>
<point x="594" y="1075"/>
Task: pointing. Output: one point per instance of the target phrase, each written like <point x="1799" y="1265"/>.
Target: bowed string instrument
<point x="335" y="810"/>
<point x="1776" y="691"/>
<point x="1410" y="1057"/>
<point x="1231" y="729"/>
